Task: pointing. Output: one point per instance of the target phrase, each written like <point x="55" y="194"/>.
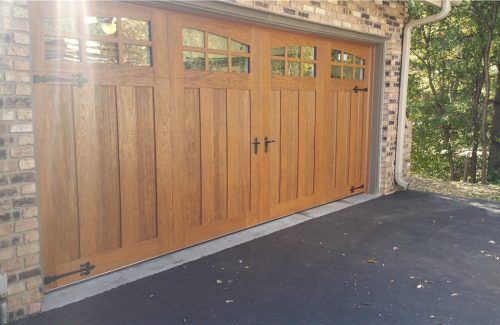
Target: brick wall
<point x="19" y="234"/>
<point x="377" y="17"/>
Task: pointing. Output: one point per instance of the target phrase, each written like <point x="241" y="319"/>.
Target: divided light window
<point x="98" y="39"/>
<point x="344" y="65"/>
<point x="204" y="51"/>
<point x="294" y="61"/>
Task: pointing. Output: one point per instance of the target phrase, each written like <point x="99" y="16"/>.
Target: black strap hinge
<point x="356" y="188"/>
<point x="77" y="79"/>
<point x="356" y="89"/>
<point x="85" y="269"/>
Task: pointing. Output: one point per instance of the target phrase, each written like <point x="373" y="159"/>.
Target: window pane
<point x="294" y="69"/>
<point x="66" y="24"/>
<point x="360" y="73"/>
<point x="239" y="47"/>
<point x="336" y="56"/>
<point x="193" y="37"/>
<point x="67" y="49"/>
<point x="240" y="64"/>
<point x="294" y="51"/>
<point x="137" y="55"/>
<point x="217" y="42"/>
<point x="309" y="52"/>
<point x="336" y="71"/>
<point x="194" y="60"/>
<point x="348" y="58"/>
<point x="278" y="51"/>
<point x="278" y="67"/>
<point x="101" y="25"/>
<point x="102" y="52"/>
<point x="135" y="29"/>
<point x="217" y="62"/>
<point x="308" y="70"/>
<point x="347" y="72"/>
<point x="360" y="61"/>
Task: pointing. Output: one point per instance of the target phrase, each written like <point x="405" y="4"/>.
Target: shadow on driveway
<point x="407" y="258"/>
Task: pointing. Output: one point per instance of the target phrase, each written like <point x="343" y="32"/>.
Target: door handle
<point x="266" y="143"/>
<point x="256" y="145"/>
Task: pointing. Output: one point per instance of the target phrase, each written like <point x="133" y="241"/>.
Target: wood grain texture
<point x="213" y="154"/>
<point x="342" y="139"/>
<point x="192" y="170"/>
<point x="274" y="131"/>
<point x="238" y="152"/>
<point x="289" y="129"/>
<point x="57" y="174"/>
<point x="306" y="152"/>
<point x="137" y="164"/>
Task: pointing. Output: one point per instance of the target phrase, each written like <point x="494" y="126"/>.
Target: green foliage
<point x="445" y="65"/>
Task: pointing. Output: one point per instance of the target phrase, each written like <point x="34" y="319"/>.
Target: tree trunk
<point x="494" y="158"/>
<point x="484" y="122"/>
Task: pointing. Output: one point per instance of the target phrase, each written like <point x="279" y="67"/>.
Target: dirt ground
<point x="459" y="189"/>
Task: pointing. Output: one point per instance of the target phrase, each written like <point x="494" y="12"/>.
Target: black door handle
<point x="266" y="143"/>
<point x="256" y="145"/>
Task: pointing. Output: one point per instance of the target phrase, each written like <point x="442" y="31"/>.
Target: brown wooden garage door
<point x="157" y="130"/>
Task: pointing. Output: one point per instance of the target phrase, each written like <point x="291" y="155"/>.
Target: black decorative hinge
<point x="85" y="269"/>
<point x="356" y="89"/>
<point x="356" y="188"/>
<point x="77" y="79"/>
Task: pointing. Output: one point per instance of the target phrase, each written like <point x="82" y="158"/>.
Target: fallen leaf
<point x="229" y="301"/>
<point x="345" y="234"/>
<point x="428" y="281"/>
<point x="482" y="252"/>
<point x="395" y="248"/>
<point x="372" y="261"/>
<point x="492" y="242"/>
<point x="488" y="255"/>
<point x="246" y="267"/>
<point x="451" y="217"/>
<point x="496" y="258"/>
<point x="219" y="281"/>
<point x="344" y="254"/>
<point x="391" y="281"/>
<point x="432" y="316"/>
<point x="151" y="296"/>
<point x="240" y="261"/>
<point x="420" y="286"/>
<point x="454" y="294"/>
<point x="433" y="221"/>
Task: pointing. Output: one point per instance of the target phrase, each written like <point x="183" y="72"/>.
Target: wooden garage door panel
<point x="57" y="170"/>
<point x="214" y="154"/>
<point x="217" y="170"/>
<point x="342" y="138"/>
<point x="292" y="117"/>
<point x="239" y="173"/>
<point x="356" y="135"/>
<point x="97" y="168"/>
<point x="137" y="164"/>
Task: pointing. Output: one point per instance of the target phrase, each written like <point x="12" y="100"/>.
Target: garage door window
<point x="204" y="51"/>
<point x="293" y="61"/>
<point x="345" y="65"/>
<point x="92" y="39"/>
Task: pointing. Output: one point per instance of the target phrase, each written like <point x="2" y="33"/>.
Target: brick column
<point x="19" y="226"/>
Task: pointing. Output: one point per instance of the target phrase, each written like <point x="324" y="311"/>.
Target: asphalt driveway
<point x="407" y="258"/>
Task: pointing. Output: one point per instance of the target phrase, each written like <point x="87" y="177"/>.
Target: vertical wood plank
<point x="353" y="138"/>
<point x="207" y="156"/>
<point x="192" y="196"/>
<point x="57" y="175"/>
<point x="331" y="140"/>
<point x="137" y="166"/>
<point x="342" y="146"/>
<point x="238" y="152"/>
<point x="307" y="116"/>
<point x="97" y="166"/>
<point x="220" y="153"/>
<point x="289" y="145"/>
<point x="213" y="154"/>
<point x="275" y="151"/>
